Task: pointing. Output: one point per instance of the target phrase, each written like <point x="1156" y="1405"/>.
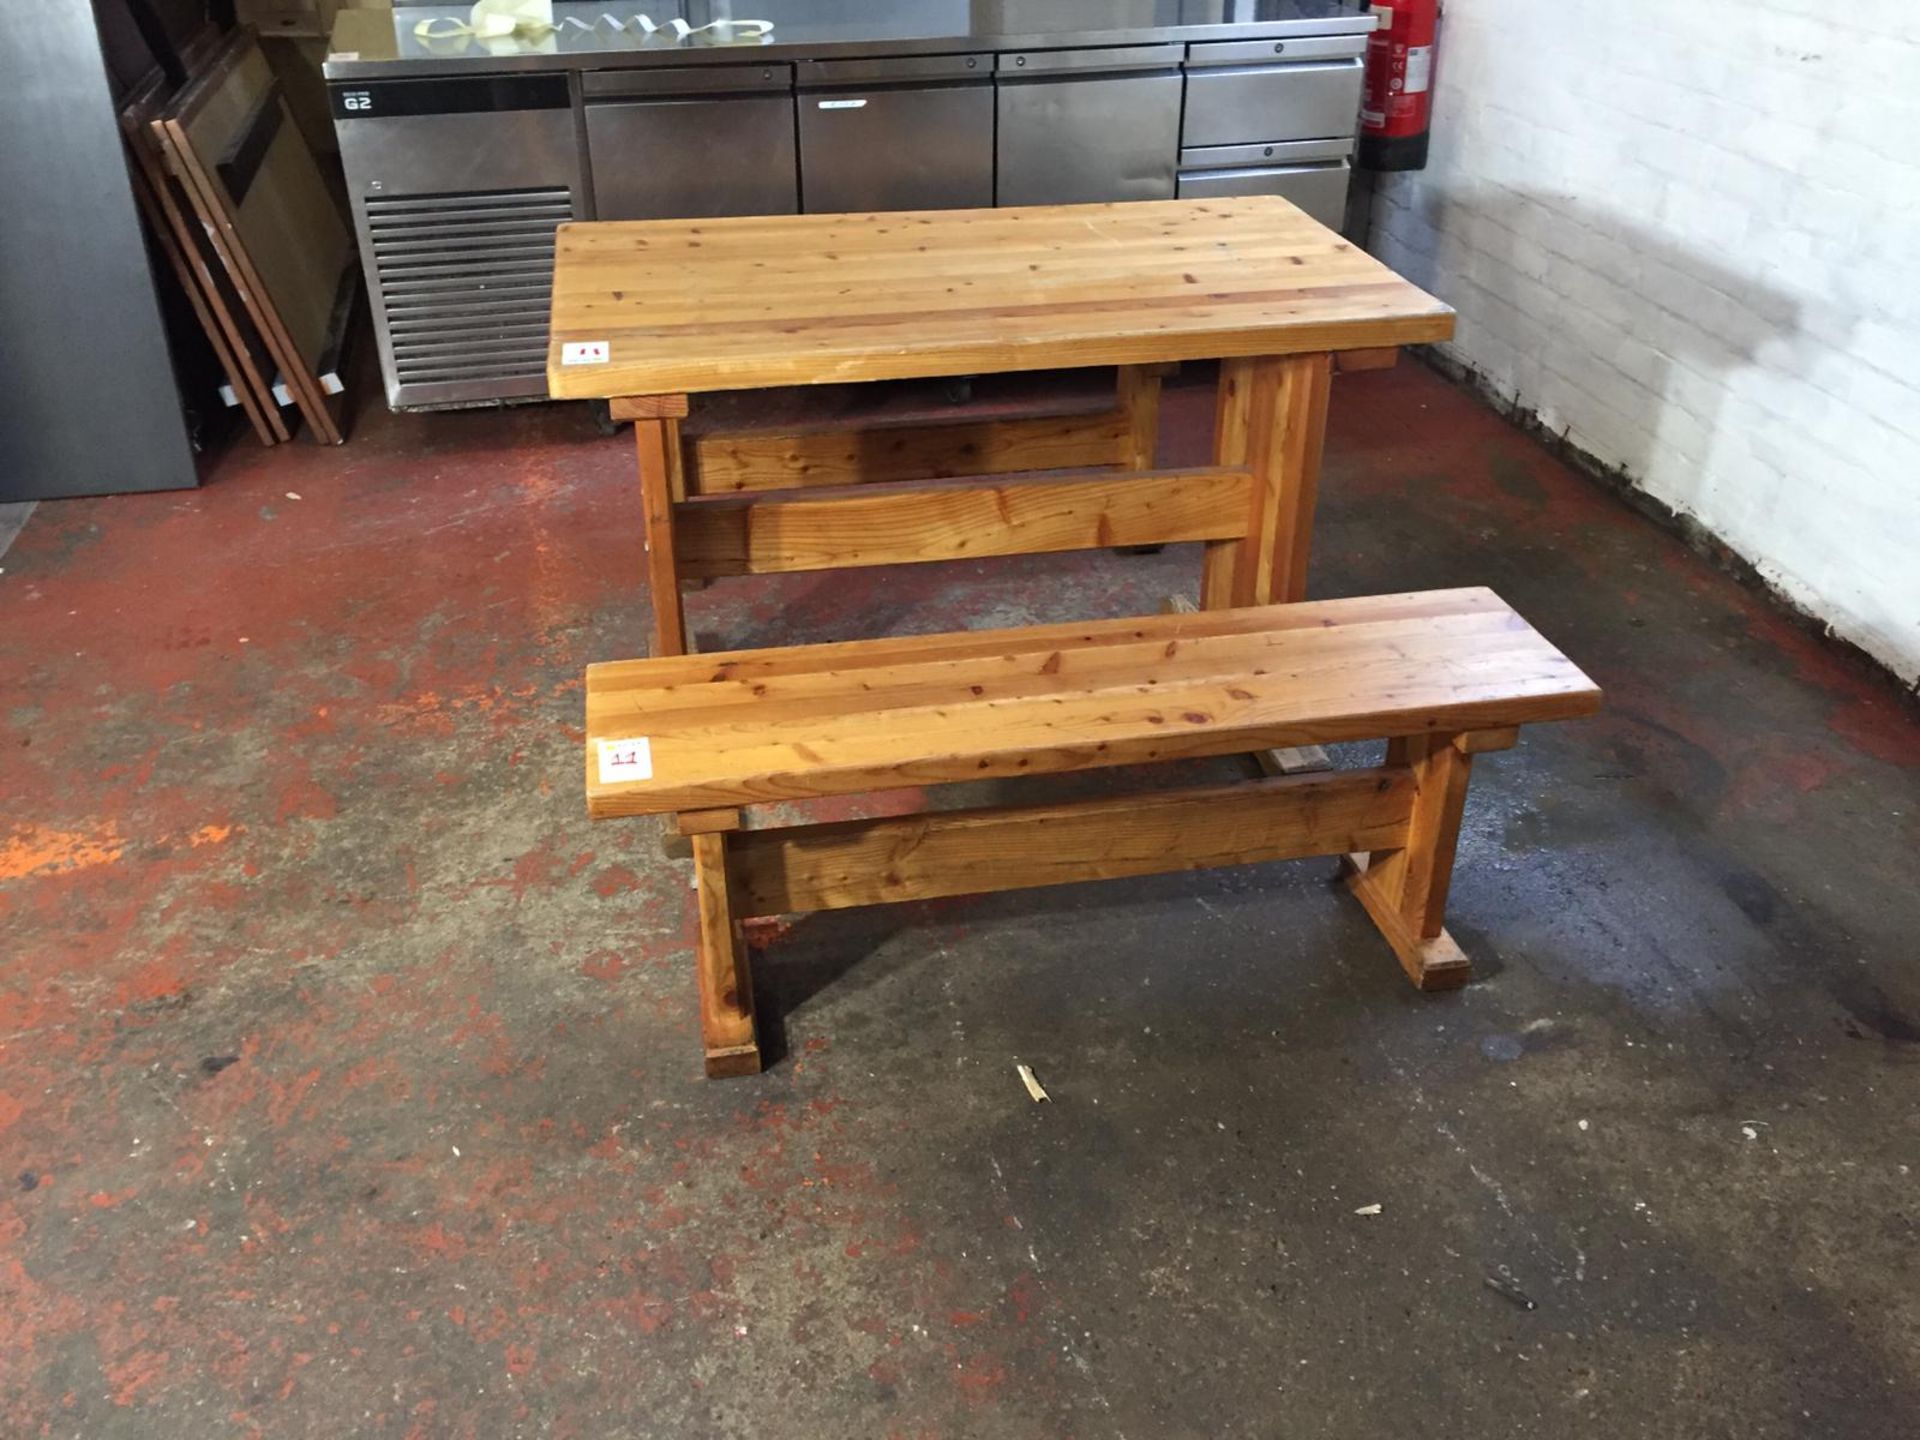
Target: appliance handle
<point x="1056" y="62"/>
<point x="686" y="80"/>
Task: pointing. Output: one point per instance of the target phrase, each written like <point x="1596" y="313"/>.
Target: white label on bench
<point x="585" y="352"/>
<point x="622" y="760"/>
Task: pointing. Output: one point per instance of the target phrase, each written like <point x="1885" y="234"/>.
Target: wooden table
<point x="647" y="313"/>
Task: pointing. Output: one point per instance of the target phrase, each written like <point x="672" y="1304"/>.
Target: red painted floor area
<point x="350" y="1084"/>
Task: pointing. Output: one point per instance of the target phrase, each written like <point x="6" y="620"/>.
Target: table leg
<point x="1139" y="400"/>
<point x="657" y="447"/>
<point x="1271" y="419"/>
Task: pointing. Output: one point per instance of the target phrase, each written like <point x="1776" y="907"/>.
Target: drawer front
<point x="1320" y="190"/>
<point x="897" y="148"/>
<point x="689" y="159"/>
<point x="1246" y="105"/>
<point x="1081" y="141"/>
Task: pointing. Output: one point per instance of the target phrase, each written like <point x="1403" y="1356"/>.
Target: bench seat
<point x="1441" y="676"/>
<point x="752" y="726"/>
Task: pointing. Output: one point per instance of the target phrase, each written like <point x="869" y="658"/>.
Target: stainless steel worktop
<point x="462" y="155"/>
<point x="381" y="44"/>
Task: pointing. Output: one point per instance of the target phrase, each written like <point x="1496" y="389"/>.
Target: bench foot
<point x="1432" y="964"/>
<point x="731" y="1061"/>
<point x="1294" y="760"/>
<point x="1405" y="889"/>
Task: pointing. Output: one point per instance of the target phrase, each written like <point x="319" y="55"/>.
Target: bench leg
<point x="726" y="983"/>
<point x="1405" y="890"/>
<point x="657" y="447"/>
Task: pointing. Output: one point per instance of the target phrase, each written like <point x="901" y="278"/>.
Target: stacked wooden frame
<point x="216" y="304"/>
<point x="245" y="216"/>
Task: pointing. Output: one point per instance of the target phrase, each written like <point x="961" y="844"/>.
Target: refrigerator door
<point x="910" y="134"/>
<point x="1082" y="126"/>
<point x="688" y="144"/>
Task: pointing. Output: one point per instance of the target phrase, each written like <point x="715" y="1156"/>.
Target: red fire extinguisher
<point x="1397" y="110"/>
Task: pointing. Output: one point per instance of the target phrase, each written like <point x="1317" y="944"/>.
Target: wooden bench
<point x="1441" y="676"/>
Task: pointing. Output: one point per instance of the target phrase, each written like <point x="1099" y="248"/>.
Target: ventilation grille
<point x="466" y="281"/>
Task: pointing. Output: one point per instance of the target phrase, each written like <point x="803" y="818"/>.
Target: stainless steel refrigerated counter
<point x="462" y="154"/>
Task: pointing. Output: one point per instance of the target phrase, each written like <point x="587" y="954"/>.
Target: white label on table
<point x="623" y="760"/>
<point x="585" y="352"/>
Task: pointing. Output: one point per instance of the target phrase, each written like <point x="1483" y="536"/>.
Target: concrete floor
<point x="349" y="1078"/>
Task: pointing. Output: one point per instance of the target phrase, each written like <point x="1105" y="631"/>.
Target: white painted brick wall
<point x="1688" y="233"/>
